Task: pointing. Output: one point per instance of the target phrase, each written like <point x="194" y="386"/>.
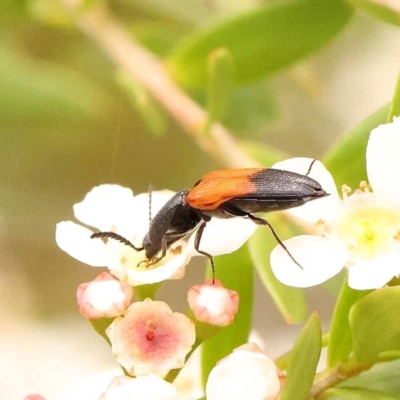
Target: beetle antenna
<point x="150" y="198"/>
<point x="260" y="221"/>
<point x="115" y="236"/>
<point x="310" y="167"/>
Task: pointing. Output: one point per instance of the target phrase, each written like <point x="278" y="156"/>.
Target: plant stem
<point x="146" y="69"/>
<point x="341" y="372"/>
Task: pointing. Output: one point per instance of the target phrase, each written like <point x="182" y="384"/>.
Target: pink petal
<point x="317" y="209"/>
<point x="383" y="161"/>
<point x="319" y="258"/>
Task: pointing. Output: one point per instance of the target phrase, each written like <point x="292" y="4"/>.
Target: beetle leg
<point x="261" y="221"/>
<point x="197" y="239"/>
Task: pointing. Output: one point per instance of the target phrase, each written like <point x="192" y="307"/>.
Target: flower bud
<point x="148" y="387"/>
<point x="247" y="373"/>
<point x="150" y="338"/>
<point x="212" y="303"/>
<point x="104" y="297"/>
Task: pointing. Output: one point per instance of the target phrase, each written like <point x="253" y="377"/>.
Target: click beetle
<point x="225" y="193"/>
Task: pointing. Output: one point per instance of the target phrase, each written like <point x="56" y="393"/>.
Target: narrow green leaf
<point x="236" y="273"/>
<point x="375" y="324"/>
<point x="382" y="377"/>
<point x="252" y="108"/>
<point x="350" y="150"/>
<point x="220" y="84"/>
<point x="379" y="9"/>
<point x="144" y="104"/>
<point x="157" y="36"/>
<point x="395" y="104"/>
<point x="340" y="342"/>
<point x="303" y="362"/>
<point x="290" y="301"/>
<point x="354" y="394"/>
<point x="42" y="92"/>
<point x="262" y="41"/>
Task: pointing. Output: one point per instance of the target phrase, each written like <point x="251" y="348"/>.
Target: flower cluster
<point x="361" y="231"/>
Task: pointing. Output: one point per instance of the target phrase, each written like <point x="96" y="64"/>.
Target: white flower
<point x="148" y="387"/>
<point x="114" y="208"/>
<point x="360" y="232"/>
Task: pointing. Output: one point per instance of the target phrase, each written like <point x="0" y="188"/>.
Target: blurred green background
<point x="67" y="123"/>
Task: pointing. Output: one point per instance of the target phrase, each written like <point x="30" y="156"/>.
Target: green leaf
<point x="350" y="150"/>
<point x="236" y="273"/>
<point x="149" y="110"/>
<point x="262" y="41"/>
<point x="290" y="301"/>
<point x="395" y="104"/>
<point x="252" y="108"/>
<point x="379" y="9"/>
<point x="159" y="37"/>
<point x="303" y="362"/>
<point x="262" y="153"/>
<point x="375" y="324"/>
<point x="354" y="394"/>
<point x="42" y="92"/>
<point x="340" y="342"/>
<point x="382" y="377"/>
<point x="220" y="84"/>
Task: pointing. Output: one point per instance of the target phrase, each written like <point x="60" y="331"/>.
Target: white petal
<point x="383" y="161"/>
<point x="375" y="273"/>
<point x="172" y="269"/>
<point x="319" y="258"/>
<point x="223" y="236"/>
<point x="318" y="209"/>
<point x="141" y="210"/>
<point x="75" y="240"/>
<point x="106" y="207"/>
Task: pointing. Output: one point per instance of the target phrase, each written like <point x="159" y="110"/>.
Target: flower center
<point x="366" y="226"/>
<point x="150" y="330"/>
<point x="137" y="259"/>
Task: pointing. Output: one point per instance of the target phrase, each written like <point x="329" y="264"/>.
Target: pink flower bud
<point x="150" y="338"/>
<point x="104" y="297"/>
<point x="34" y="396"/>
<point x="143" y="388"/>
<point x="212" y="303"/>
<point x="247" y="373"/>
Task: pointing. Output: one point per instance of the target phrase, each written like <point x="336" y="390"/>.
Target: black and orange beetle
<point x="225" y="193"/>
